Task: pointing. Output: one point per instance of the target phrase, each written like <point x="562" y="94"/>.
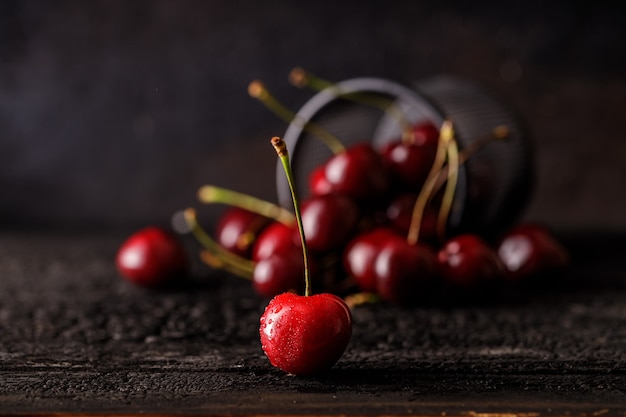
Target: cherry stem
<point x="445" y="136"/>
<point x="448" y="194"/>
<point x="281" y="149"/>
<point x="216" y="262"/>
<point x="257" y="89"/>
<point x="301" y="78"/>
<point x="499" y="132"/>
<point x="224" y="258"/>
<point x="213" y="194"/>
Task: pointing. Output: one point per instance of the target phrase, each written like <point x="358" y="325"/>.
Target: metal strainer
<point x="493" y="185"/>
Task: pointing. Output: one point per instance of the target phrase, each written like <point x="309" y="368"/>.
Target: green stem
<point x="257" y="90"/>
<point x="448" y="194"/>
<point x="426" y="192"/>
<point x="281" y="150"/>
<point x="228" y="258"/>
<point x="213" y="194"/>
<point x="302" y="78"/>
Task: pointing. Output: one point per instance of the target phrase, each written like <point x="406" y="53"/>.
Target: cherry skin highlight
<point x="278" y="273"/>
<point x="151" y="257"/>
<point x="406" y="274"/>
<point x="305" y="335"/>
<point x="328" y="222"/>
<point x="358" y="172"/>
<point x="468" y="261"/>
<point x="318" y="184"/>
<point x="359" y="257"/>
<point x="529" y="251"/>
<point x="237" y="229"/>
<point x="276" y="237"/>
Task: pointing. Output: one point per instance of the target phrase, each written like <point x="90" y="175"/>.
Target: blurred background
<point x="113" y="113"/>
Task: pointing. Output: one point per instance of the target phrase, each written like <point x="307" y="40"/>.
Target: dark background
<point x="113" y="113"/>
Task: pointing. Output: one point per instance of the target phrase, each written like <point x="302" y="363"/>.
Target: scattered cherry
<point x="405" y="273"/>
<point x="237" y="230"/>
<point x="410" y="161"/>
<point x="276" y="237"/>
<point x="151" y="257"/>
<point x="529" y="251"/>
<point x="467" y="261"/>
<point x="359" y="257"/>
<point x="328" y="221"/>
<point x="358" y="172"/>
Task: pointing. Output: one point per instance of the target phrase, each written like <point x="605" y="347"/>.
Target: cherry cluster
<point x="366" y="232"/>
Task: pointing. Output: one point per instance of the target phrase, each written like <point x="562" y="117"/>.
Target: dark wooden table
<point x="75" y="338"/>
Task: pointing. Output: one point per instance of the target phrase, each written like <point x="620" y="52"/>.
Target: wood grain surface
<point x="76" y="339"/>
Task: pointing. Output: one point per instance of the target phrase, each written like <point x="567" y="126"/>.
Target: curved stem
<point x="214" y="261"/>
<point x="213" y="194"/>
<point x="302" y="78"/>
<point x="257" y="90"/>
<point x="448" y="194"/>
<point x="221" y="254"/>
<point x="445" y="135"/>
<point x="281" y="149"/>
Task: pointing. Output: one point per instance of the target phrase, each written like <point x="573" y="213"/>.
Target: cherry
<point x="410" y="161"/>
<point x="279" y="272"/>
<point x="530" y="251"/>
<point x="274" y="238"/>
<point x="405" y="273"/>
<point x="328" y="221"/>
<point x="151" y="257"/>
<point x="358" y="172"/>
<point x="304" y="335"/>
<point x="318" y="185"/>
<point x="467" y="261"/>
<point x="237" y="230"/>
<point x="359" y="257"/>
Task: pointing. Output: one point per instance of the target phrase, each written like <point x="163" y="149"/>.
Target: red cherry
<point x="360" y="256"/>
<point x="467" y="261"/>
<point x="151" y="257"/>
<point x="237" y="229"/>
<point x="276" y="237"/>
<point x="358" y="172"/>
<point x="305" y="335"/>
<point x="318" y="185"/>
<point x="328" y="222"/>
<point x="530" y="250"/>
<point x="405" y="273"/>
<point x="280" y="272"/>
<point x="411" y="162"/>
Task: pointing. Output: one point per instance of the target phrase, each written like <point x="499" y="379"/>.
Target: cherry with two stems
<point x="303" y="334"/>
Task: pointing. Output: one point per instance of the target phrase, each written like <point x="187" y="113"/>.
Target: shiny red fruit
<point x="279" y="272"/>
<point x="151" y="257"/>
<point x="529" y="250"/>
<point x="358" y="172"/>
<point x="468" y="261"/>
<point x="237" y="230"/>
<point x="359" y="258"/>
<point x="328" y="222"/>
<point x="305" y="335"/>
<point x="276" y="237"/>
<point x="318" y="185"/>
<point x="406" y="274"/>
